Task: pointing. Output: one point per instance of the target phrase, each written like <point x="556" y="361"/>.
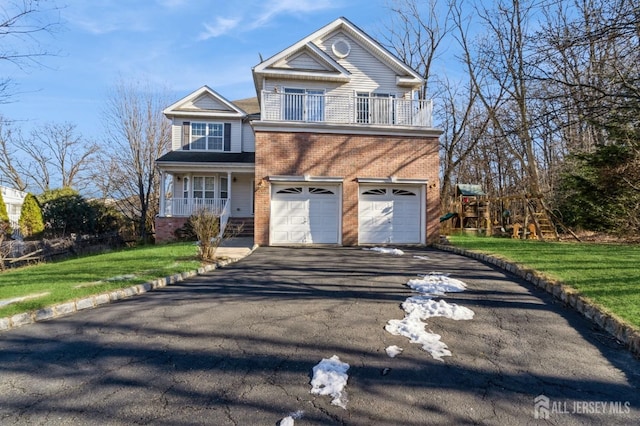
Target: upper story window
<point x="303" y="104"/>
<point x="207" y="136"/>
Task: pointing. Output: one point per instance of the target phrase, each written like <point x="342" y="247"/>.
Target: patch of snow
<point x="421" y="307"/>
<point x="422" y="257"/>
<point x="393" y="351"/>
<point x="386" y="250"/>
<point x="329" y="378"/>
<point x="424" y="307"/>
<point x="289" y="420"/>
<point x="437" y="283"/>
<point x="413" y="328"/>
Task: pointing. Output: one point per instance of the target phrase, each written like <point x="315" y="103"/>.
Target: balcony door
<point x="303" y="104"/>
<point x="375" y="108"/>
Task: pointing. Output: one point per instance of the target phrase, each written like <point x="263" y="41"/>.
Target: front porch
<point x="226" y="194"/>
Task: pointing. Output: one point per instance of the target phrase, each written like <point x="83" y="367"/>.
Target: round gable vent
<point x="341" y="48"/>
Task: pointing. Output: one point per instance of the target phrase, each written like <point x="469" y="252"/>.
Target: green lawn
<point x="608" y="274"/>
<point x="70" y="279"/>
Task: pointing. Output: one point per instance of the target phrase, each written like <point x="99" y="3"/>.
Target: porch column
<point x="229" y="187"/>
<point x="163" y="177"/>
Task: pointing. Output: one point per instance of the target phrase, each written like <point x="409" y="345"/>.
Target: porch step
<point x="247" y="224"/>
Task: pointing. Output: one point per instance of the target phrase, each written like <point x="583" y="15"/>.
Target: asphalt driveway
<point x="237" y="347"/>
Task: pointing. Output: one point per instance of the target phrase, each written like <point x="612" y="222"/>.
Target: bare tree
<point x="8" y="157"/>
<point x="137" y="134"/>
<point x="588" y="61"/>
<point x="498" y="69"/>
<point x="416" y="32"/>
<point x="56" y="154"/>
<point x="21" y="23"/>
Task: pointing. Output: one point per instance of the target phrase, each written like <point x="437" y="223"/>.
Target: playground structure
<point x="522" y="216"/>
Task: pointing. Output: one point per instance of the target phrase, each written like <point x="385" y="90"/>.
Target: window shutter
<point x="227" y="136"/>
<point x="186" y="132"/>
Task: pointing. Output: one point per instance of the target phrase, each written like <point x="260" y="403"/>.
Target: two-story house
<point x="341" y="149"/>
<point x="211" y="163"/>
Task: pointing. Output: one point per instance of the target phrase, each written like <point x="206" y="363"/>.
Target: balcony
<point x="380" y="110"/>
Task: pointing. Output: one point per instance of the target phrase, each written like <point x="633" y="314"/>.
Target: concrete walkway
<point x="236" y="248"/>
<point x="237" y="345"/>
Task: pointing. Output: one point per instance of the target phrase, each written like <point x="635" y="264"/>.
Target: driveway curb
<point x="623" y="332"/>
<point x="94" y="301"/>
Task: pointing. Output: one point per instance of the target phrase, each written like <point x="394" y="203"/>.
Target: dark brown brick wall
<point x="349" y="157"/>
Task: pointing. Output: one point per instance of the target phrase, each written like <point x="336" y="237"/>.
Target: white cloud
<point x="103" y="17"/>
<point x="220" y="27"/>
<point x="274" y="8"/>
<point x="256" y="15"/>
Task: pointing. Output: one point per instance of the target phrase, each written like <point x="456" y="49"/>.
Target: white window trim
<point x="207" y="137"/>
<point x="392" y="180"/>
<point x="305" y="178"/>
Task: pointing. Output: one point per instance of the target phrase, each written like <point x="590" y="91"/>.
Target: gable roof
<point x="204" y="102"/>
<point x="325" y="66"/>
<point x="270" y="67"/>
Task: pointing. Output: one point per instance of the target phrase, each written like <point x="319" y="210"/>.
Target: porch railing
<point x="224" y="218"/>
<point x="184" y="207"/>
<point x="373" y="110"/>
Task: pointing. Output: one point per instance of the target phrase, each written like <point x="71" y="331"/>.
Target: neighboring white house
<point x="13" y="199"/>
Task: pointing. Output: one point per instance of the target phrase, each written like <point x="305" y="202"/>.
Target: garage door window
<point x="294" y="190"/>
<point x="375" y="191"/>
<point x="404" y="192"/>
<point x="323" y="191"/>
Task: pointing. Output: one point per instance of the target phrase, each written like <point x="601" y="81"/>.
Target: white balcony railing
<point x="184" y="207"/>
<point x="365" y="110"/>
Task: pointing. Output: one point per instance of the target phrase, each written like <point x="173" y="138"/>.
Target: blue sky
<point x="177" y="44"/>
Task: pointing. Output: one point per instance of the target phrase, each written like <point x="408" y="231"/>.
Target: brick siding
<point x="348" y="157"/>
<point x="165" y="227"/>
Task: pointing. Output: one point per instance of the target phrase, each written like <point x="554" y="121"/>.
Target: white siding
<point x="248" y="138"/>
<point x="236" y="136"/>
<point x="368" y="73"/>
<point x="303" y="61"/>
<point x="207" y="103"/>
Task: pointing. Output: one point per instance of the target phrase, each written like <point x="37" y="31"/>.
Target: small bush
<point x="4" y="218"/>
<point x="206" y="226"/>
<point x="31" y="222"/>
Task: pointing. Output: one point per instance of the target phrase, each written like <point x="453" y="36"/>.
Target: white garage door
<point x="390" y="214"/>
<point x="305" y="214"/>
